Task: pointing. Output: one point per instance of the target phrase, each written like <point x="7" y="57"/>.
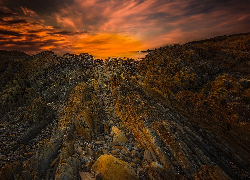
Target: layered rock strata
<point x="182" y="112"/>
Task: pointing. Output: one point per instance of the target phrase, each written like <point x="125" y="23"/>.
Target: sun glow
<point x="109" y="45"/>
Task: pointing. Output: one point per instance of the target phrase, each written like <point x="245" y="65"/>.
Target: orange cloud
<point x="108" y="45"/>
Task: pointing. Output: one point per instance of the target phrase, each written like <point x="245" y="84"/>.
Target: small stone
<point x="136" y="144"/>
<point x="155" y="173"/>
<point x="124" y="151"/>
<point x="126" y="158"/>
<point x="3" y="157"/>
<point x="98" y="175"/>
<point x="114" y="130"/>
<point x="140" y="171"/>
<point x="87" y="166"/>
<point x="145" y="164"/>
<point x="133" y="165"/>
<point x="134" y="153"/>
<point x="147" y="156"/>
<point x="130" y="147"/>
<point x="115" y="152"/>
<point x="37" y="178"/>
<point x="28" y="155"/>
<point x="106" y="128"/>
<point x="136" y="160"/>
<point x="53" y="163"/>
<point x="89" y="151"/>
<point x="105" y="151"/>
<point x="26" y="175"/>
<point x="175" y="163"/>
<point x="99" y="142"/>
<point x="119" y="138"/>
<point x="86" y="176"/>
<point x="79" y="150"/>
<point x="118" y="147"/>
<point x="85" y="158"/>
<point x="139" y="146"/>
<point x="47" y="177"/>
<point x="156" y="165"/>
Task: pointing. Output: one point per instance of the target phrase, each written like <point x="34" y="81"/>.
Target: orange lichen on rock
<point x="112" y="168"/>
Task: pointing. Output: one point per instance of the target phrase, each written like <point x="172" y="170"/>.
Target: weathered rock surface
<point x="182" y="112"/>
<point x="112" y="168"/>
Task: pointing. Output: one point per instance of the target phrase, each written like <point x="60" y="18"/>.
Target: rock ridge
<point x="182" y="112"/>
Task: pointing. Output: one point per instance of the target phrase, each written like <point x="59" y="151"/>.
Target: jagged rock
<point x="136" y="160"/>
<point x="46" y="152"/>
<point x="14" y="170"/>
<point x="125" y="151"/>
<point x="113" y="168"/>
<point x="246" y="95"/>
<point x="68" y="169"/>
<point x="39" y="114"/>
<point x="115" y="152"/>
<point x="147" y="156"/>
<point x="80" y="150"/>
<point x="87" y="166"/>
<point x="156" y="174"/>
<point x="86" y="176"/>
<point x="119" y="136"/>
<point x="115" y="130"/>
<point x="212" y="172"/>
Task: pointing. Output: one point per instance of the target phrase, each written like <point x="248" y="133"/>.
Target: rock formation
<point x="182" y="112"/>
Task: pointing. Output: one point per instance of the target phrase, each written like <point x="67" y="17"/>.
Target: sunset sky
<point x="105" y="28"/>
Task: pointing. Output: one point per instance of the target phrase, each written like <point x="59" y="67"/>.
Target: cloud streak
<point x="158" y="21"/>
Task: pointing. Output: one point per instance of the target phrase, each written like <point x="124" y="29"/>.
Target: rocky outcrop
<point x="207" y="83"/>
<point x="182" y="112"/>
<point x="112" y="168"/>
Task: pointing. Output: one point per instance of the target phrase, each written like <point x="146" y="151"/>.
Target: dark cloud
<point x="3" y="38"/>
<point x="195" y="7"/>
<point x="97" y="41"/>
<point x="39" y="30"/>
<point x="67" y="33"/>
<point x="15" y="21"/>
<point x="31" y="50"/>
<point x="47" y="43"/>
<point x="19" y="43"/>
<point x="27" y="46"/>
<point x="39" y="6"/>
<point x="32" y="36"/>
<point x="5" y="14"/>
<point x="10" y="33"/>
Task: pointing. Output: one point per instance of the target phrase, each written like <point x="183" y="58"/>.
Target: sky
<point x="109" y="28"/>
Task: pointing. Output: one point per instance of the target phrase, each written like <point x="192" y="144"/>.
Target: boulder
<point x="112" y="168"/>
<point x="119" y="136"/>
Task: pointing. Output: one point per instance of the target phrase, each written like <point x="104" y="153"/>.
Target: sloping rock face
<point x="182" y="112"/>
<point x="204" y="82"/>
